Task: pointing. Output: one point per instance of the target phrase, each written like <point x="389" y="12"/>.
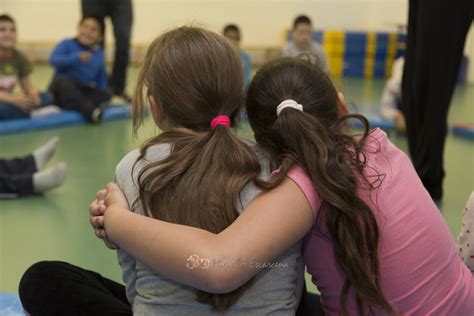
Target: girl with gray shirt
<point x="197" y="173"/>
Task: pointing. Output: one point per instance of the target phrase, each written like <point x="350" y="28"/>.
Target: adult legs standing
<point x="95" y="8"/>
<point x="122" y="19"/>
<point x="121" y="14"/>
<point x="436" y="34"/>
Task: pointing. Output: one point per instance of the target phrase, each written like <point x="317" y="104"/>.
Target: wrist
<point x="113" y="217"/>
<point x="5" y="97"/>
<point x="33" y="93"/>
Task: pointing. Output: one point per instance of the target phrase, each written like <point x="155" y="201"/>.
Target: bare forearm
<point x="273" y="222"/>
<point x="28" y="88"/>
<point x="5" y="97"/>
<point x="172" y="250"/>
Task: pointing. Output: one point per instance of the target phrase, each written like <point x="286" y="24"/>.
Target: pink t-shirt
<point x="421" y="273"/>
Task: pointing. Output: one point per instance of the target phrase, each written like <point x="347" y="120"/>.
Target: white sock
<point x="45" y="152"/>
<point x="50" y="178"/>
<point x="45" y="111"/>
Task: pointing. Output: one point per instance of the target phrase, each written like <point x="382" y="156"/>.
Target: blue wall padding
<point x="375" y="120"/>
<point x="64" y="118"/>
<point x="355" y="44"/>
<point x="354" y="54"/>
<point x="361" y="57"/>
<point x="466" y="131"/>
<point x="318" y="36"/>
<point x="402" y="41"/>
<point x="10" y="305"/>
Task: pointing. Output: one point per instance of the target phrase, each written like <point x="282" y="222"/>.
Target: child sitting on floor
<point x="80" y="81"/>
<point x="303" y="45"/>
<point x="14" y="67"/>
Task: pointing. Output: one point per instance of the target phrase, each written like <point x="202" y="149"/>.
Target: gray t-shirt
<point x="274" y="291"/>
<point x="315" y="53"/>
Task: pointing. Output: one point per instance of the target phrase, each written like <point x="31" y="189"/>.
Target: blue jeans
<point x="10" y="111"/>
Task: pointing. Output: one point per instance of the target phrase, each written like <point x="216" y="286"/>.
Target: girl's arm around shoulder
<point x="219" y="263"/>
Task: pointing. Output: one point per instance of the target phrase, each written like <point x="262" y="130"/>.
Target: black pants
<point x="436" y="33"/>
<point x="71" y="95"/>
<point x="120" y="12"/>
<point x="58" y="288"/>
<point x="16" y="175"/>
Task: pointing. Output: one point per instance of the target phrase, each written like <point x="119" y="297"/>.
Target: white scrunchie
<point x="289" y="104"/>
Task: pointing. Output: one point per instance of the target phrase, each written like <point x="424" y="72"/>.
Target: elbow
<point x="228" y="270"/>
<point x="226" y="275"/>
<point x="213" y="276"/>
<point x="220" y="282"/>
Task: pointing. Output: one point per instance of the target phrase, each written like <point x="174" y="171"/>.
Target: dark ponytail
<point x="316" y="140"/>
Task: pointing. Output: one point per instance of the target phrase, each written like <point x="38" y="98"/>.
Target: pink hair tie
<point x="220" y="120"/>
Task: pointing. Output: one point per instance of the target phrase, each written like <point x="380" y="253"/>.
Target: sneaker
<point x="97" y="115"/>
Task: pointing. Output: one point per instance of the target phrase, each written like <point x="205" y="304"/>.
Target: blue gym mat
<point x="375" y="120"/>
<point x="373" y="116"/>
<point x="64" y="118"/>
<point x="10" y="305"/>
<point x="464" y="130"/>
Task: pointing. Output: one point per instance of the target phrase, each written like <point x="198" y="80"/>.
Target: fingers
<point x="110" y="245"/>
<point x="100" y="233"/>
<point x="96" y="217"/>
<point x="115" y="196"/>
<point x="22" y="103"/>
<point x="27" y="102"/>
<point x="97" y="208"/>
<point x="97" y="221"/>
<point x="101" y="194"/>
<point x="111" y="187"/>
<point x="85" y="56"/>
<point x="34" y="100"/>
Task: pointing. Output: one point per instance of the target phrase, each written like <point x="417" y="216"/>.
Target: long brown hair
<point x="194" y="75"/>
<point x="316" y="139"/>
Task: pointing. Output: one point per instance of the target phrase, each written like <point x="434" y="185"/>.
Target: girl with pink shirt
<point x="374" y="241"/>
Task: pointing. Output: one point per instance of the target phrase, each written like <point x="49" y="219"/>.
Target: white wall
<point x="262" y="21"/>
<point x="469" y="51"/>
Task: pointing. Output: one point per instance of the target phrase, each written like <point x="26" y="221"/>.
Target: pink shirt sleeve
<point x="305" y="184"/>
